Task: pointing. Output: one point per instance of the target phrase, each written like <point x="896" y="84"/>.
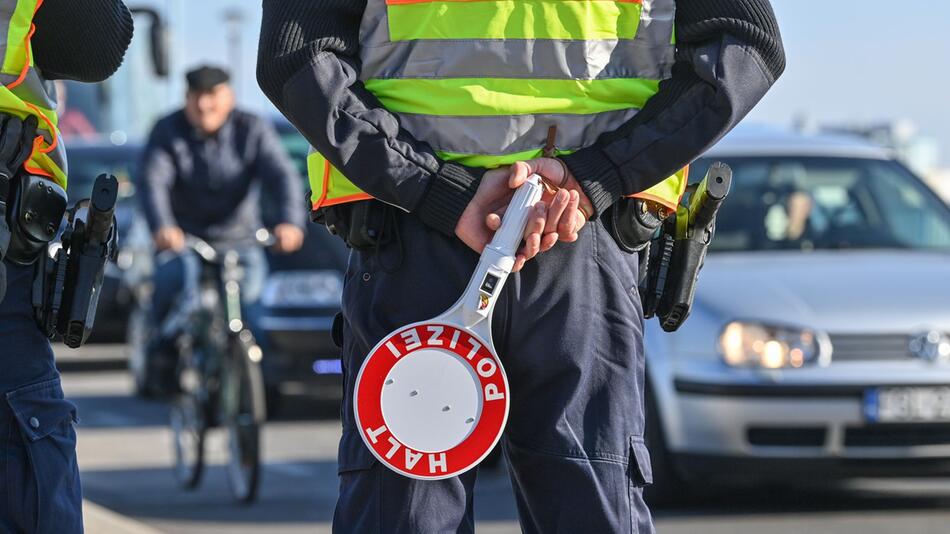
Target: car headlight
<point x="744" y="344"/>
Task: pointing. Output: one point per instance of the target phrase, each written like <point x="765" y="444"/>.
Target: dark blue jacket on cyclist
<point x="212" y="186"/>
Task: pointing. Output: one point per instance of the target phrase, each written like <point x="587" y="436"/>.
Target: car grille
<point x="869" y="347"/>
<point x="786" y="437"/>
<point x="897" y="435"/>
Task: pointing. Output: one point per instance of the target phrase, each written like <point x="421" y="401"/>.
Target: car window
<point x="85" y="164"/>
<point x="789" y="203"/>
<point x="906" y="211"/>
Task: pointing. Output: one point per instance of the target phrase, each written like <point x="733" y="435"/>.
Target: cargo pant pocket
<point x="641" y="474"/>
<point x="42" y="473"/>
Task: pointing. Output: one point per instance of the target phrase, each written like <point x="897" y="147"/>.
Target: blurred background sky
<point x="850" y="62"/>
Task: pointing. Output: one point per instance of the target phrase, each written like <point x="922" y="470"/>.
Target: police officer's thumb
<point x="519" y="174"/>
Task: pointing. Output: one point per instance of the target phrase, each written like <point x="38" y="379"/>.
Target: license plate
<point x="907" y="405"/>
<point x="302" y="289"/>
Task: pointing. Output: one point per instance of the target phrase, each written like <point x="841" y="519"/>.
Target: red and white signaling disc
<point x="431" y="400"/>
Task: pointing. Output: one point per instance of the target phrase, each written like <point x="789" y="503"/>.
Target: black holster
<point x="364" y="225"/>
<point x="673" y="248"/>
<point x="67" y="285"/>
<point x="31" y="211"/>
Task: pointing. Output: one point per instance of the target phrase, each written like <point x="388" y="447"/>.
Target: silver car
<point x="819" y="342"/>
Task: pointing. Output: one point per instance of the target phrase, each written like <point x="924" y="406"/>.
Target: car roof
<point x="758" y="140"/>
<point x="102" y="145"/>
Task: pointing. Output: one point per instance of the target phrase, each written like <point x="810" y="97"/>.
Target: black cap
<point x="206" y="77"/>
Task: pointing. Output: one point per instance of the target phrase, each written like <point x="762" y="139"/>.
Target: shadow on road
<point x="294" y="492"/>
<point x="291" y="492"/>
<point x="304" y="492"/>
<point x="114" y="411"/>
<point x="845" y="497"/>
<point x="305" y="408"/>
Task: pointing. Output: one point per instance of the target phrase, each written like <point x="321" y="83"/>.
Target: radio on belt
<point x="431" y="398"/>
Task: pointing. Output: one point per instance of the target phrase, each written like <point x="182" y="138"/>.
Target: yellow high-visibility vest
<point x="24" y="92"/>
<point x="483" y="82"/>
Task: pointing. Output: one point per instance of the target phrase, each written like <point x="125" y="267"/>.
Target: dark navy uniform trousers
<point x="39" y="477"/>
<point x="568" y="329"/>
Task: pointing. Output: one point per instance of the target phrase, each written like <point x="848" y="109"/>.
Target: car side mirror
<point x="158" y="40"/>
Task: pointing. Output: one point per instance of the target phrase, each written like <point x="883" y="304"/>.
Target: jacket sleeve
<point x="82" y="40"/>
<point x="729" y="53"/>
<point x="154" y="181"/>
<point x="274" y="168"/>
<point x="308" y="66"/>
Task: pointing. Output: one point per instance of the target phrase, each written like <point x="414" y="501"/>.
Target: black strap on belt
<point x="16" y="144"/>
<point x="365" y="225"/>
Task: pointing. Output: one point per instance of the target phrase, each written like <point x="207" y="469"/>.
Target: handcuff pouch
<point x="35" y="213"/>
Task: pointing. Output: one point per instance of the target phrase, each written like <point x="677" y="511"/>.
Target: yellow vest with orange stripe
<point x="482" y="82"/>
<point x="24" y="92"/>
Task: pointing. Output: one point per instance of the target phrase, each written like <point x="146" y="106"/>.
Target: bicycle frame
<point x="211" y="293"/>
<point x="219" y="368"/>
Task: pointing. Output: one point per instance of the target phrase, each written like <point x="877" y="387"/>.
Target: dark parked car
<point x="300" y="299"/>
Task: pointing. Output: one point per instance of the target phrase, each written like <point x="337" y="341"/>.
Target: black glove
<point x="16" y="145"/>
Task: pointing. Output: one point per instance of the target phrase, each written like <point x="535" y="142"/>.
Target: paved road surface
<point x="124" y="453"/>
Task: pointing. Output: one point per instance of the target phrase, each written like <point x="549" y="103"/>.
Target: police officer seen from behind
<point x="82" y="40"/>
<point x="441" y="109"/>
<point x="203" y="174"/>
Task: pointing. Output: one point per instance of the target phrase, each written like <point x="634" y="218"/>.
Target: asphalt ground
<point x="125" y="457"/>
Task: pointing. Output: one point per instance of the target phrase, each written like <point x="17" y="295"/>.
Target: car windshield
<point x="804" y="203"/>
<point x="85" y="164"/>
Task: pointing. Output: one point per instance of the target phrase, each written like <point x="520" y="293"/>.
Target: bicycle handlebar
<point x="210" y="253"/>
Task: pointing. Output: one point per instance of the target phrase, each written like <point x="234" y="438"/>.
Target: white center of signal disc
<point x="431" y="400"/>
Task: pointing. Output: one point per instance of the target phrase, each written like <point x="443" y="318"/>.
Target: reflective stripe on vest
<point x="482" y="82"/>
<point x="24" y="92"/>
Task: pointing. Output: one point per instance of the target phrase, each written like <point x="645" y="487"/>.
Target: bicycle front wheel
<point x="188" y="428"/>
<point x="244" y="414"/>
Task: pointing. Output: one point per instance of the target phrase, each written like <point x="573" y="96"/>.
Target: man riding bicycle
<point x="203" y="174"/>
